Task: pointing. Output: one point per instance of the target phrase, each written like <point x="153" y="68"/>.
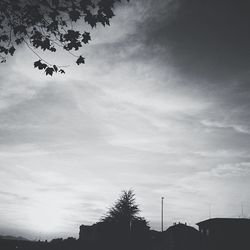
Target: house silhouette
<point x="225" y="233"/>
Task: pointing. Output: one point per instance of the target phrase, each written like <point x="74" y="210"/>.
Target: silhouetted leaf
<point x="19" y="41"/>
<point x="71" y="35"/>
<point x="20" y="29"/>
<point x="86" y="37"/>
<point x="55" y="68"/>
<point x="80" y="60"/>
<point x="91" y="19"/>
<point x="44" y="24"/>
<point x="74" y="15"/>
<point x="43" y="66"/>
<point x="38" y="64"/>
<point x="55" y="2"/>
<point x="12" y="50"/>
<point x="49" y="71"/>
<point x="4" y="50"/>
<point x="4" y="38"/>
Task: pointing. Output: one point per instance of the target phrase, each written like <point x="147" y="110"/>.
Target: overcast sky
<point x="161" y="106"/>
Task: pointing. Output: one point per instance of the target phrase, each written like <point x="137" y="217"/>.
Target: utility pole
<point x="209" y="211"/>
<point x="162" y="198"/>
<point x="242" y="210"/>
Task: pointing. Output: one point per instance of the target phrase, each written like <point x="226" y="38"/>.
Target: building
<point x="115" y="235"/>
<point x="97" y="232"/>
<point x="86" y="232"/>
<point x="137" y="230"/>
<point x="181" y="237"/>
<point x="225" y="233"/>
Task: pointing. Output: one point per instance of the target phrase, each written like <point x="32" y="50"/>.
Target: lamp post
<point x="162" y="198"/>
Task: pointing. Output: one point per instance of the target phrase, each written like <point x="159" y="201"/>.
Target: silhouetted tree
<point x="124" y="210"/>
<point x="48" y="25"/>
<point x="124" y="221"/>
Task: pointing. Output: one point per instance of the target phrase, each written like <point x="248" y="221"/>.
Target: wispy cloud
<point x="223" y="125"/>
<point x="232" y="170"/>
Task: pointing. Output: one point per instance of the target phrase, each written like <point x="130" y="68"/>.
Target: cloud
<point x="15" y="88"/>
<point x="220" y="125"/>
<point x="232" y="170"/>
<point x="205" y="40"/>
<point x="13" y="195"/>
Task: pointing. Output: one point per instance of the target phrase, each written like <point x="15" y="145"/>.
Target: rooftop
<point x="224" y="220"/>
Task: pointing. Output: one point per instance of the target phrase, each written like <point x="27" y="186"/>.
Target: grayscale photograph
<point x="125" y="124"/>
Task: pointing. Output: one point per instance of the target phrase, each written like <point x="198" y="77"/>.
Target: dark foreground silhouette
<point x="123" y="229"/>
<point x="213" y="234"/>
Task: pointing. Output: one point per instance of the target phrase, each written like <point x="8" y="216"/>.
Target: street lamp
<point x="162" y="198"/>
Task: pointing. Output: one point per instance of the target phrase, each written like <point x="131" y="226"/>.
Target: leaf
<point x="74" y="15"/>
<point x="72" y="45"/>
<point x="80" y="60"/>
<point x="54" y="14"/>
<point x="16" y="7"/>
<point x="38" y="64"/>
<point x="12" y="50"/>
<point x="21" y="29"/>
<point x="61" y="8"/>
<point x="44" y="2"/>
<point x="4" y="38"/>
<point x="55" y="68"/>
<point x="19" y="41"/>
<point x="4" y="50"/>
<point x="49" y="71"/>
<point x="45" y="44"/>
<point x="86" y="37"/>
<point x="71" y="35"/>
<point x="91" y="19"/>
<point x="55" y="2"/>
<point x="108" y="13"/>
<point x="84" y="4"/>
<point x="42" y="66"/>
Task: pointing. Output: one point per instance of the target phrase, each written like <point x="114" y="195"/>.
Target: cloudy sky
<point x="161" y="106"/>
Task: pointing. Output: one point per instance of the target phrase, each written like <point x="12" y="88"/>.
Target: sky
<point x="161" y="106"/>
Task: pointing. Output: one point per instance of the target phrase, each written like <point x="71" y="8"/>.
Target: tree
<point x="49" y="25"/>
<point x="125" y="211"/>
<point x="123" y="220"/>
